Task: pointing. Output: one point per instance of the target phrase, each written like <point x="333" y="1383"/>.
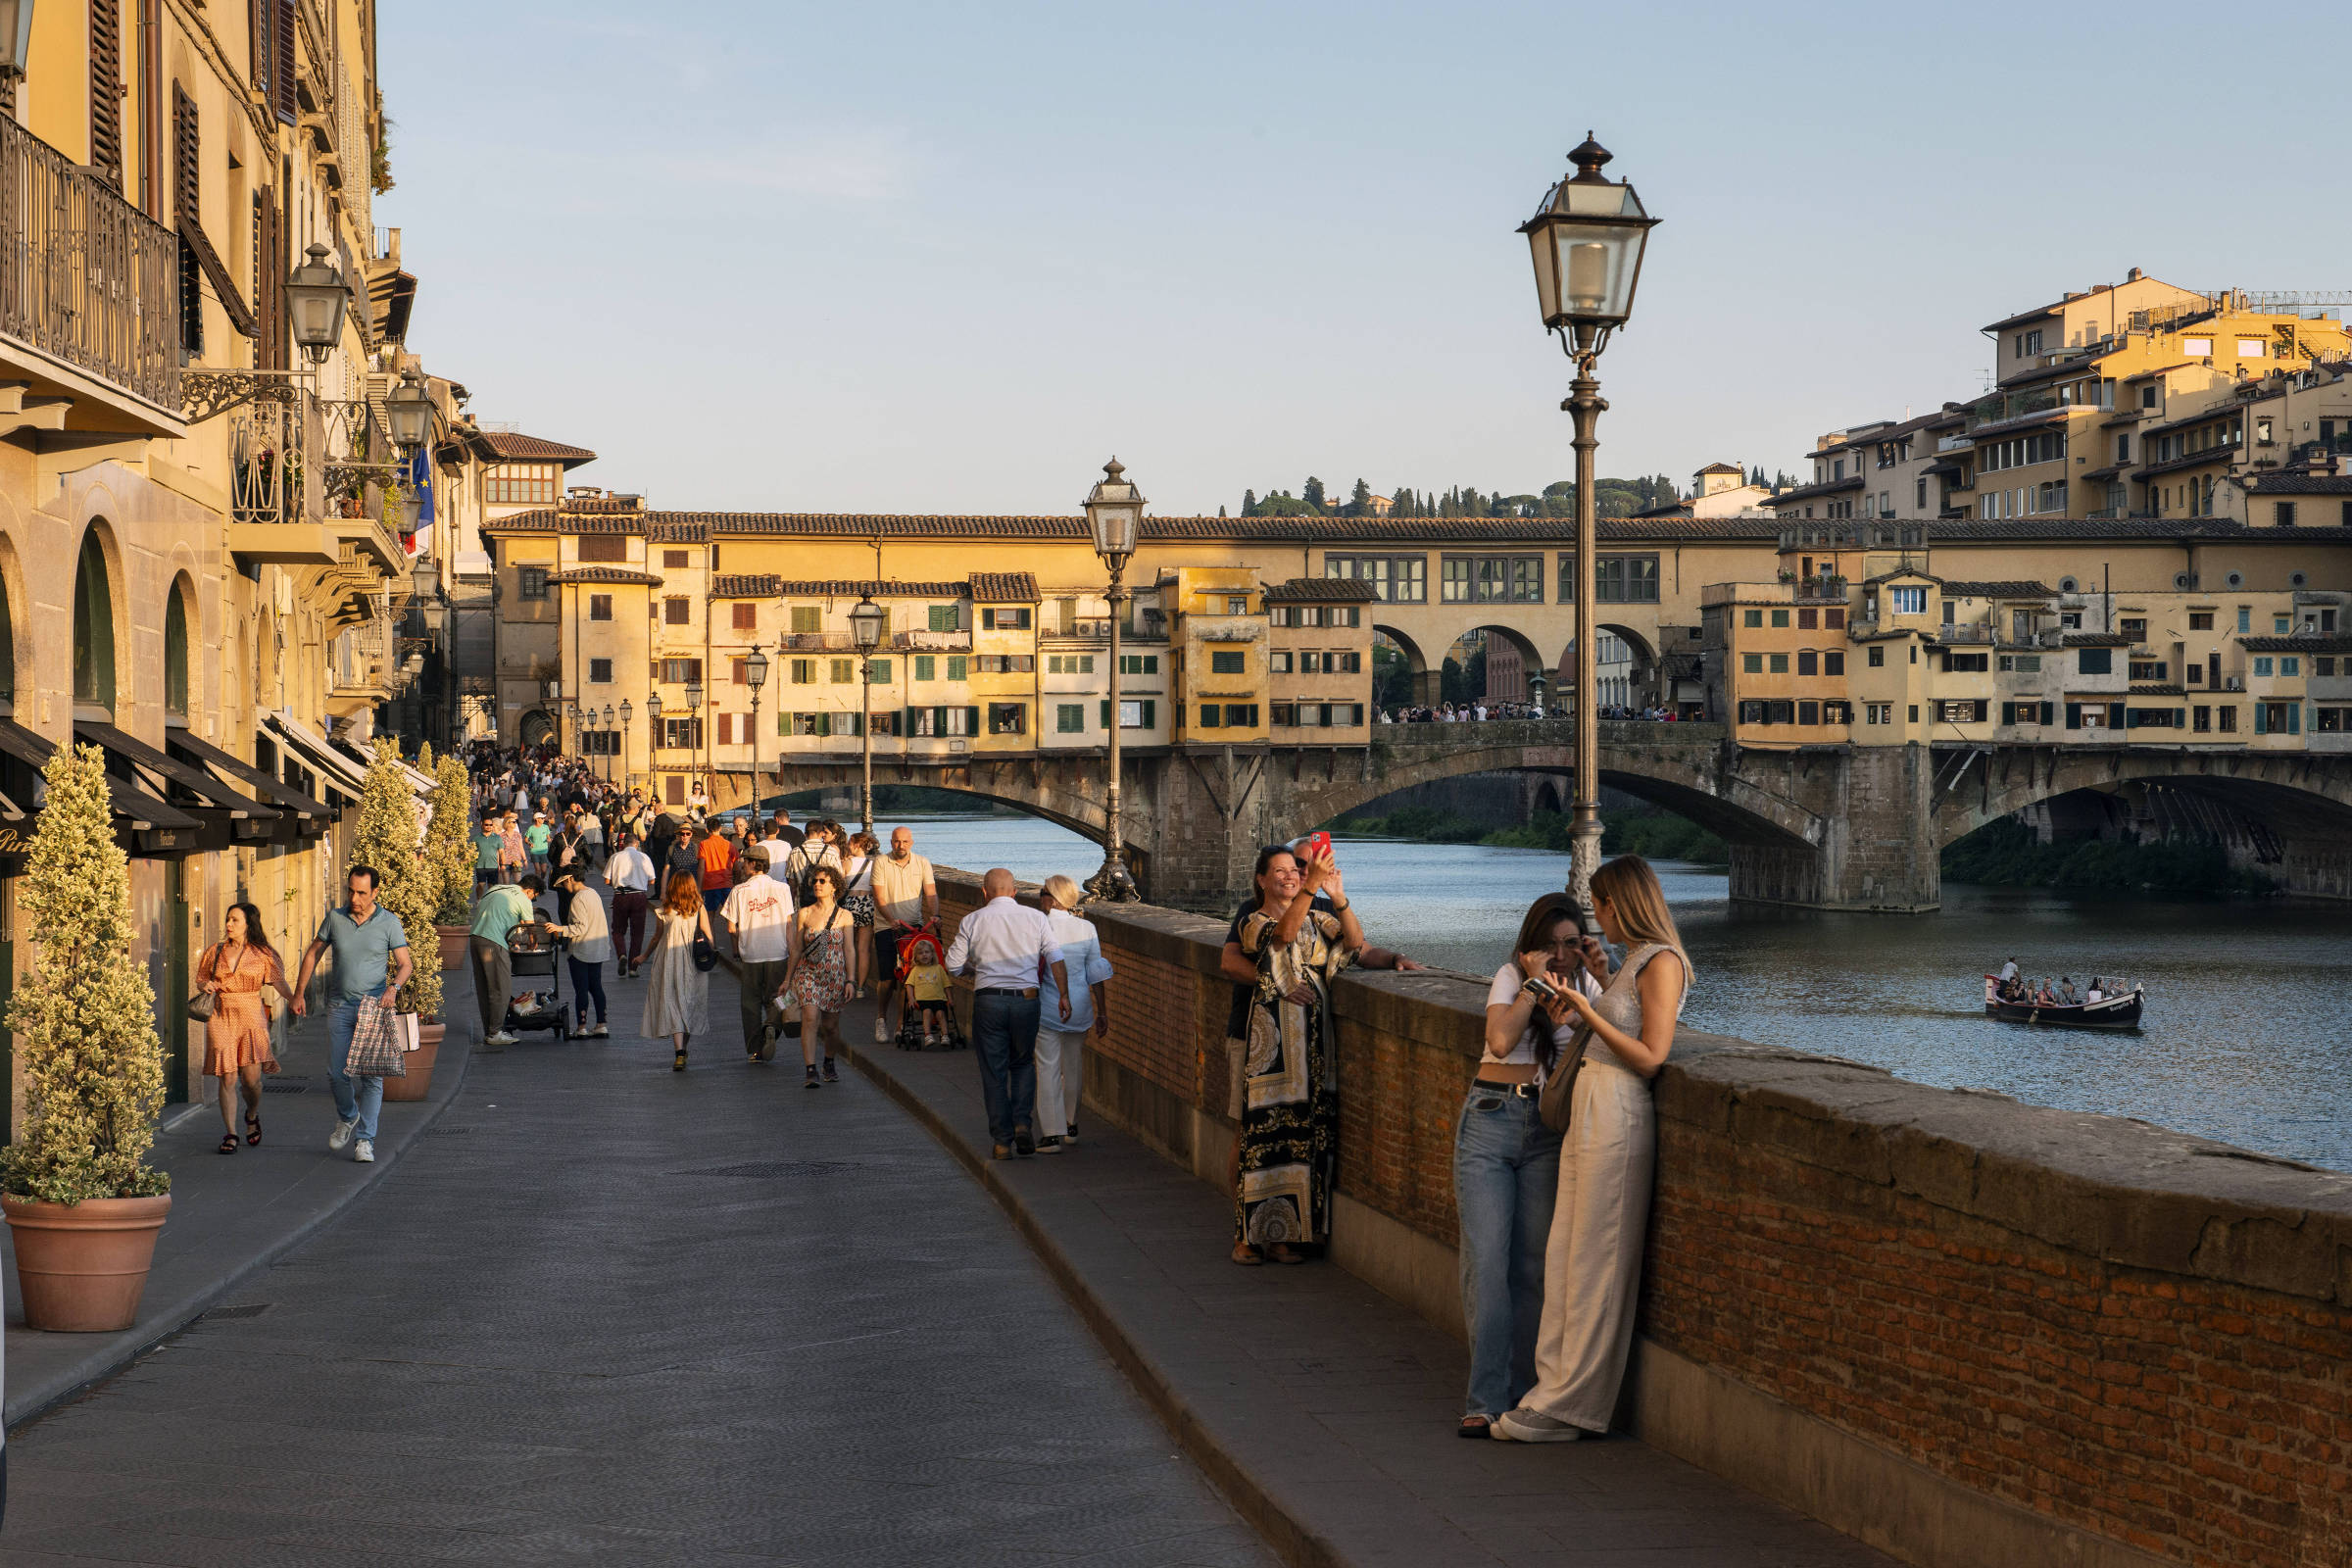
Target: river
<point x="2244" y="1037"/>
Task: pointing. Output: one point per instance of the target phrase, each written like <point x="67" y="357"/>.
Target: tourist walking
<point x="1061" y="1031"/>
<point x="1506" y="1163"/>
<point x="514" y="855"/>
<point x="495" y="917"/>
<point x="827" y="969"/>
<point x="905" y="900"/>
<point x="678" y="994"/>
<point x="782" y="828"/>
<point x="715" y="853"/>
<point x="817" y="847"/>
<point x="630" y="876"/>
<point x="489" y="849"/>
<point x="1002" y="944"/>
<point x="1289" y="1126"/>
<point x="1592" y="1258"/>
<point x="536" y="837"/>
<point x="781" y="841"/>
<point x="371" y="959"/>
<point x="590" y="949"/>
<point x="235" y="970"/>
<point x="758" y="916"/>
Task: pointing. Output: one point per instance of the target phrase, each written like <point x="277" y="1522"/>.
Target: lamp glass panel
<point x="1596" y="264"/>
<point x="1548" y="281"/>
<point x="1114" y="530"/>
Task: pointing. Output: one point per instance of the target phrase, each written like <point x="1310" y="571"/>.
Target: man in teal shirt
<point x="486" y="847"/>
<point x="371" y="959"/>
<point x="501" y="909"/>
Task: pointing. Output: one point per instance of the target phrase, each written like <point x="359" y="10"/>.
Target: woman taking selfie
<point x="1506" y="1163"/>
<point x="1593" y="1262"/>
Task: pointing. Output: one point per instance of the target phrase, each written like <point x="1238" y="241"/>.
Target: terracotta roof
<point x="1974" y="530"/>
<point x="2195" y="460"/>
<point x="1322" y="590"/>
<point x="2217" y="411"/>
<point x="1005" y="587"/>
<point x="665" y="528"/>
<point x="621" y="575"/>
<point x="2160" y="691"/>
<point x="2314" y="644"/>
<point x="2097" y="639"/>
<point x="507" y="447"/>
<point x="1902" y="572"/>
<point x="2150" y="376"/>
<point x="2079" y="364"/>
<point x="2298" y="484"/>
<point x="767" y="585"/>
<point x="1998" y="590"/>
<point x="1806" y="492"/>
<point x="602" y="505"/>
<point x="2022" y="316"/>
<point x="2029" y="422"/>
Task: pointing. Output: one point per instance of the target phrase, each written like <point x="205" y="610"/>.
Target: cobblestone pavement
<point x="605" y="1313"/>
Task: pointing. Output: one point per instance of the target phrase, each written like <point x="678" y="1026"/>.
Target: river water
<point x="2244" y="1037"/>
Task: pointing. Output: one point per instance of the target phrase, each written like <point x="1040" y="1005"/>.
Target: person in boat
<point x="2066" y="989"/>
<point x="2009" y="976"/>
<point x="2094" y="992"/>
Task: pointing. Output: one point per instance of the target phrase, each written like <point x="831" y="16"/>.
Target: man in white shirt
<point x="759" y="920"/>
<point x="1061" y="1032"/>
<point x="1005" y="945"/>
<point x="906" y="898"/>
<point x="630" y="875"/>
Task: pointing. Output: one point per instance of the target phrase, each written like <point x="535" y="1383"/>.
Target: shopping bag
<point x="375" y="1051"/>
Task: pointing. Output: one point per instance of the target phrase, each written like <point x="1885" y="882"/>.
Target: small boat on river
<point x="2119" y="1012"/>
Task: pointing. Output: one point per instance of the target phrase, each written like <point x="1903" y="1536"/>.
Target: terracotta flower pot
<point x="453" y="945"/>
<point x="82" y="1267"/>
<point x="419" y="1081"/>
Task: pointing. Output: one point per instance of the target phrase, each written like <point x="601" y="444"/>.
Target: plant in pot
<point x="448" y="844"/>
<point x="389" y="837"/>
<point x="83" y="1205"/>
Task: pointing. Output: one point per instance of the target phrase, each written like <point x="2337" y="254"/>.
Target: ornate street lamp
<point x="15" y="38"/>
<point x="755" y="674"/>
<point x="317" y="296"/>
<point x="627" y="712"/>
<point x="1587" y="240"/>
<point x="865" y="629"/>
<point x="408" y="407"/>
<point x="1114" y="510"/>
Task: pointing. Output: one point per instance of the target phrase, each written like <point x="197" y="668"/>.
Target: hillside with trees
<point x="1614" y="498"/>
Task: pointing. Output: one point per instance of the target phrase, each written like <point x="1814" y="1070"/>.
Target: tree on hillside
<point x="1248" y="503"/>
<point x="1359" y="500"/>
<point x="1312" y="492"/>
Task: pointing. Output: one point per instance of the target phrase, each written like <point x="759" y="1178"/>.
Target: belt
<point x="1517" y="1091"/>
<point x="1005" y="990"/>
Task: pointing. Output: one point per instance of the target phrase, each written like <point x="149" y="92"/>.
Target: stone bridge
<point x="1832" y="827"/>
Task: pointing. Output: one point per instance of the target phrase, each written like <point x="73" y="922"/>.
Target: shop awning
<point x="235" y="818"/>
<point x="146" y="826"/>
<point x="347" y="776"/>
<point x="292" y="806"/>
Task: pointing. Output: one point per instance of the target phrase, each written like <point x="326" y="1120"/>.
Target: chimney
<point x="2133" y="276"/>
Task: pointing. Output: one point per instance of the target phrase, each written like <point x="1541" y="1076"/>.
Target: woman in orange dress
<point x="235" y="971"/>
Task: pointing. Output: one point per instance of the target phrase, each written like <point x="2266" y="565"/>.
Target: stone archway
<point x="537" y="727"/>
<point x="1423" y="688"/>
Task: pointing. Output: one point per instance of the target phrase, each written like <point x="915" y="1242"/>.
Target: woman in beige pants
<point x="1593" y="1261"/>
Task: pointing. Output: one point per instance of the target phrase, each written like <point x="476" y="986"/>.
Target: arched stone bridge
<point x="1822" y="827"/>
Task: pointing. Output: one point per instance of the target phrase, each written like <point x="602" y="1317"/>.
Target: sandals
<point x="253" y="1128"/>
<point x="1247" y="1255"/>
<point x="228" y="1143"/>
<point x="1475" y="1427"/>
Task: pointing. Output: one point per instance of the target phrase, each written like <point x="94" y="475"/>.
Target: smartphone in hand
<point x="1316" y="846"/>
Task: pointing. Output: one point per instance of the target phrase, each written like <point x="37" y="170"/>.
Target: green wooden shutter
<point x="2261" y="713"/>
<point x="1107" y="712"/>
<point x="2073" y="715"/>
<point x="2115" y="715"/>
<point x="971" y="720"/>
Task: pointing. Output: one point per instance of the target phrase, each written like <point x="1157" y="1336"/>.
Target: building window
<point x="1878" y="656"/>
<point x="806" y="619"/>
<point x="1751" y="663"/>
<point x="523" y="483"/>
<point x="1008" y="719"/>
<point x="878" y="671"/>
<point x="1808" y="663"/>
<point x="1625" y="579"/>
<point x="1004" y="619"/>
<point x="1222" y="663"/>
<point x="1751" y="617"/>
<point x="1780" y="617"/>
<point x="1780" y="665"/>
<point x="1070" y="663"/>
<point x="1139" y="663"/>
<point x="2285" y="512"/>
<point x="1967" y="664"/>
<point x="1069" y="719"/>
<point x="1907" y="601"/>
<point x="1877" y="712"/>
<point x="600" y="671"/>
<point x="1278" y="662"/>
<point x="682" y="734"/>
<point x="530" y="583"/>
<point x="745" y="616"/>
<point x="1494" y="580"/>
<point x="944" y="617"/>
<point x="1212" y="715"/>
<point x="606" y="549"/>
<point x="955" y="666"/>
<point x="1833" y="663"/>
<point x="1135" y="713"/>
<point x="678" y="671"/>
<point x="677" y="558"/>
<point x="926" y="668"/>
<point x="600" y="607"/>
<point x="841" y="671"/>
<point x="677" y="611"/>
<point x="2200" y="620"/>
<point x="803" y="672"/>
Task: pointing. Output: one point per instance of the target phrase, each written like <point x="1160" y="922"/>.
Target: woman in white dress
<point x="677" y="995"/>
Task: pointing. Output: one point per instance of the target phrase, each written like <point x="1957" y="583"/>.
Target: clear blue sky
<point x="919" y="258"/>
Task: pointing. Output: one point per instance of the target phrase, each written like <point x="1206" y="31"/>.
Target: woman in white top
<point x="1593" y="1261"/>
<point x="1506" y="1163"/>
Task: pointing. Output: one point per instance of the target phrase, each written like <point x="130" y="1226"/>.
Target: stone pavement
<point x="605" y="1313"/>
<point x="231" y="1215"/>
<point x="1323" y="1409"/>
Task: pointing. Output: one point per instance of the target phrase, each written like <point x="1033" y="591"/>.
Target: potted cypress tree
<point x="390" y="838"/>
<point x="449" y="843"/>
<point x="83" y="1207"/>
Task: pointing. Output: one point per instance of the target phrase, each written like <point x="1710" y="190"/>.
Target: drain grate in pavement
<point x="770" y="1170"/>
<point x="250" y="1309"/>
<point x="448" y="1132"/>
<point x="273" y="1086"/>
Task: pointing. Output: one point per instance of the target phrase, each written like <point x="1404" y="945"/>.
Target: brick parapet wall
<point x="2127" y="1335"/>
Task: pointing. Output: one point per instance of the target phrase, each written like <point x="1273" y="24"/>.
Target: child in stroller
<point x="927" y="1017"/>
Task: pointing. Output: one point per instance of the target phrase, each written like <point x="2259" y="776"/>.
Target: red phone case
<point x="1318" y="846"/>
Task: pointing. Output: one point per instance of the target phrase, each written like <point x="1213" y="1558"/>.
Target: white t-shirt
<point x="760" y="909"/>
<point x="1507" y="984"/>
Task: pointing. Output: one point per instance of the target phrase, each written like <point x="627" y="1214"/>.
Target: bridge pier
<point x="1877" y="846"/>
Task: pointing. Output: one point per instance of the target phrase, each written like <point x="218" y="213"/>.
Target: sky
<point x="950" y="257"/>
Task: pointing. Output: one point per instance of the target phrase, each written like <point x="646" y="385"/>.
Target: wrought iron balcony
<point x="87" y="280"/>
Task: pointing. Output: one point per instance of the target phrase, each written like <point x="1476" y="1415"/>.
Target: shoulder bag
<point x="1557" y="1103"/>
<point x="202" y="1003"/>
<point x="706" y="956"/>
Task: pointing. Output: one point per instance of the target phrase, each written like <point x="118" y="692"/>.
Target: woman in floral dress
<point x="235" y="971"/>
<point x="825" y="969"/>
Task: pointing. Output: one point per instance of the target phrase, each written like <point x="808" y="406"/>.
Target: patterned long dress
<point x="238" y="1034"/>
<point x="825" y="980"/>
<point x="1289" y="1133"/>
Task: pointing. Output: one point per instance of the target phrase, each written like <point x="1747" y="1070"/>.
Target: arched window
<point x="175" y="654"/>
<point x="8" y="655"/>
<point x="93" y="627"/>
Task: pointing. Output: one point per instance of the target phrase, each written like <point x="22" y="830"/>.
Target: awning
<point x="211" y="793"/>
<point x="144" y="825"/>
<point x="342" y="771"/>
<point x="294" y="809"/>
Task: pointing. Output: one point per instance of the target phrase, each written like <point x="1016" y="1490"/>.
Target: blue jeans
<point x="1507" y="1176"/>
<point x="1004" y="1043"/>
<point x="357" y="1100"/>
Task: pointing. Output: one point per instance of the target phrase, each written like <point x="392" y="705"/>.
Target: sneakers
<point x="808" y="1077"/>
<point x="364" y="1152"/>
<point x="881" y="1029"/>
<point x="340" y="1138"/>
<point x="600" y="1032"/>
<point x="502" y="1038"/>
<point x="832" y="1075"/>
<point x="1534" y="1426"/>
<point x="1022" y="1144"/>
<point x="1048" y="1145"/>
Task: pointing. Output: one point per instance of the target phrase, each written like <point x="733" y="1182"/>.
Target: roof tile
<point x="1322" y="590"/>
<point x="1005" y="587"/>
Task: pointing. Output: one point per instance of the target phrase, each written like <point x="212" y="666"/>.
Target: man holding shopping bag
<point x="371" y="959"/>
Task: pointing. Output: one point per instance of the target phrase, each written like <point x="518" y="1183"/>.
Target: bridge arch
<point x="2290" y="794"/>
<point x="1424" y="674"/>
<point x="1519" y="653"/>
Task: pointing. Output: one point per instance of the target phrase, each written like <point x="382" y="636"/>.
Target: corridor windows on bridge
<point x="1395" y="579"/>
<point x="600" y="672"/>
<point x="600" y="607"/>
<point x="1228" y="661"/>
<point x="936" y="722"/>
<point x="1008" y="719"/>
<point x="1493" y="580"/>
<point x="1626" y="580"/>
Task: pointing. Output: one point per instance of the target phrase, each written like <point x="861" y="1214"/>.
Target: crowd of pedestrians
<point x="1482" y="710"/>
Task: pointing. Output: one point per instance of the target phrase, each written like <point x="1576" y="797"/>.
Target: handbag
<point x="376" y="1042"/>
<point x="706" y="956"/>
<point x="1557" y="1103"/>
<point x="200" y="1007"/>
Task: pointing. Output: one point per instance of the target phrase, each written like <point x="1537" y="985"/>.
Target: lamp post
<point x="409" y="410"/>
<point x="1587" y="240"/>
<point x="694" y="710"/>
<point x="317" y="296"/>
<point x="1115" y="509"/>
<point x="755" y="674"/>
<point x="16" y="46"/>
<point x="865" y="629"/>
<point x="627" y="714"/>
<point x="607" y="743"/>
<point x="653" y="737"/>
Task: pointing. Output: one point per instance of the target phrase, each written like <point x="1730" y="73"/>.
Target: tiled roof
<point x="2097" y="639"/>
<point x="766" y="585"/>
<point x="1902" y="572"/>
<point x="2079" y="364"/>
<point x="666" y="528"/>
<point x="2150" y="375"/>
<point x="1972" y="530"/>
<point x="2315" y="644"/>
<point x="2028" y="421"/>
<point x="1998" y="590"/>
<point x="1005" y="587"/>
<point x="1322" y="590"/>
<point x="1806" y="492"/>
<point x="2217" y="411"/>
<point x="2108" y="472"/>
<point x="507" y="447"/>
<point x="2195" y="460"/>
<point x="2034" y="315"/>
<point x="620" y="575"/>
<point x="2298" y="484"/>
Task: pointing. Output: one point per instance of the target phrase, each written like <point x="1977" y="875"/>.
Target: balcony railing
<point x="1821" y="590"/>
<point x="85" y="278"/>
<point x="272" y="463"/>
<point x="1976" y="634"/>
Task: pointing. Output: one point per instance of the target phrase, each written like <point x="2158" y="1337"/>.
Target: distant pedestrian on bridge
<point x="1060" y="1039"/>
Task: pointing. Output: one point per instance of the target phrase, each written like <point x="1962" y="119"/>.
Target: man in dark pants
<point x="758" y="916"/>
<point x="1003" y="944"/>
<point x="501" y="909"/>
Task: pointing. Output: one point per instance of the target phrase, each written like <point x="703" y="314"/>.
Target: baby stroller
<point x="530" y="956"/>
<point x="923" y="946"/>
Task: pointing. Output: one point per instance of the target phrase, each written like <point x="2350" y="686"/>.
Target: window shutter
<point x="2049" y="711"/>
<point x="2262" y="712"/>
<point x="1107" y="712"/>
<point x="971" y="720"/>
<point x="2294" y="718"/>
<point x="281" y="94"/>
<point x="106" y="90"/>
<point x="747" y="616"/>
<point x="2073" y="715"/>
<point x="2115" y="715"/>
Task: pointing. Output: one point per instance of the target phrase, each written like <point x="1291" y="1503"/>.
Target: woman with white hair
<point x="1061" y="1040"/>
